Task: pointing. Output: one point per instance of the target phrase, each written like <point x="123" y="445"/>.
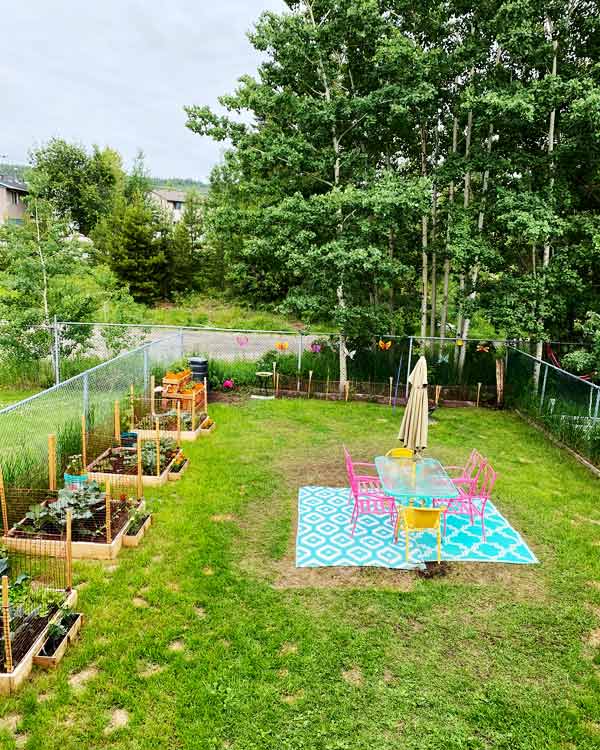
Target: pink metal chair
<point x="472" y="500"/>
<point x="468" y="475"/>
<point x="367" y="493"/>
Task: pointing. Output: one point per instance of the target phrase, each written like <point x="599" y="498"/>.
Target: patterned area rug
<point x="324" y="537"/>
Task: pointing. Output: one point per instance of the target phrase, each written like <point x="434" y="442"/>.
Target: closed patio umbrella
<point x="413" y="430"/>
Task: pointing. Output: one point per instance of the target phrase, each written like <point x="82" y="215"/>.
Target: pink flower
<point x="228" y="384"/>
<point x="315" y="348"/>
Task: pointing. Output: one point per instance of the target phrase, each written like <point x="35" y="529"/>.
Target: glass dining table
<point x="406" y="479"/>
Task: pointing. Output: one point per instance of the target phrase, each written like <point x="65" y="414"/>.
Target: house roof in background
<point x="12" y="184"/>
<point x="171" y="195"/>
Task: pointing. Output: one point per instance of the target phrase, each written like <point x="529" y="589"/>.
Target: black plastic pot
<point x="199" y="368"/>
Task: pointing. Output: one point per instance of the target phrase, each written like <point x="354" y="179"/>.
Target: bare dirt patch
<point x="288" y="648"/>
<point x="222" y="517"/>
<point x="353" y="676"/>
<point x="292" y="698"/>
<point x="283" y="673"/>
<point x="200" y="612"/>
<point x="21" y="740"/>
<point x="173" y="586"/>
<point x="79" y="680"/>
<point x="208" y="571"/>
<point x="149" y="670"/>
<point x="10" y="722"/>
<point x="177" y="646"/>
<point x="137" y="601"/>
<point x="157" y="558"/>
<point x="593" y="638"/>
<point x="388" y="677"/>
<point x="119" y="719"/>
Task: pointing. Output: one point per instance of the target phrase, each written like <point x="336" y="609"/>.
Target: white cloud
<point x="118" y="72"/>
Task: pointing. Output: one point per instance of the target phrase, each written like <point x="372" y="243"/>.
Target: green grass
<point x="11" y="395"/>
<point x="199" y="310"/>
<point x="488" y="656"/>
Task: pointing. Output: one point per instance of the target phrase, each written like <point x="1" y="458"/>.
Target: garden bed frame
<point x="51" y="662"/>
<point x="175" y="476"/>
<point x="156" y="480"/>
<point x="133" y="540"/>
<point x="12" y="681"/>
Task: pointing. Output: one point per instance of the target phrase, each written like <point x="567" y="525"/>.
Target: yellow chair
<point x="420" y="519"/>
<point x="400" y="453"/>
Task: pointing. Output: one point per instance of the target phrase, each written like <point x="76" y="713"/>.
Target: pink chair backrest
<point x="487" y="482"/>
<point x="349" y="467"/>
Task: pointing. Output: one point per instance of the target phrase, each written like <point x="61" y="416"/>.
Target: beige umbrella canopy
<point x="413" y="430"/>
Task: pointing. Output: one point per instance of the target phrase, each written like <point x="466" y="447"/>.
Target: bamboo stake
<point x="205" y="397"/>
<point x="310" y="372"/>
<point x="179" y="424"/>
<point x="193" y="414"/>
<point x="277" y="386"/>
<point x="118" y="423"/>
<point x="3" y="501"/>
<point x="347" y="390"/>
<point x="132" y="405"/>
<point x="152" y="393"/>
<point x="157" y="423"/>
<point x="438" y="393"/>
<point x="139" y="488"/>
<point x="83" y="441"/>
<point x="107" y="500"/>
<point x="6" y="625"/>
<point x="391" y="386"/>
<point x="52" y="461"/>
<point x="69" y="553"/>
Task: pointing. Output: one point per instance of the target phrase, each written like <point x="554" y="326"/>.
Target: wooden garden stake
<point x="310" y="372"/>
<point x="346" y="390"/>
<point x="327" y="387"/>
<point x="298" y="383"/>
<point x="157" y="423"/>
<point x="140" y="491"/>
<point x="391" y="385"/>
<point x="152" y="393"/>
<point x="438" y="393"/>
<point x="193" y="414"/>
<point x="478" y="392"/>
<point x="83" y="441"/>
<point x="52" y="461"/>
<point x="277" y="386"/>
<point x="205" y="397"/>
<point x="107" y="500"/>
<point x="69" y="553"/>
<point x="117" y="423"/>
<point x="6" y="626"/>
<point x="3" y="501"/>
<point x="179" y="424"/>
<point x="132" y="406"/>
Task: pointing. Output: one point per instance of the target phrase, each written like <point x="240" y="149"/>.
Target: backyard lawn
<point x="208" y="637"/>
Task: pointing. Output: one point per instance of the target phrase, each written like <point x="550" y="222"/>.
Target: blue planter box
<point x="73" y="481"/>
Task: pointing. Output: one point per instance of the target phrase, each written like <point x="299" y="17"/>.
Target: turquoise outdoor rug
<point x="324" y="537"/>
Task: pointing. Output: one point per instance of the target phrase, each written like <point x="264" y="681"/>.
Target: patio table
<point x="421" y="479"/>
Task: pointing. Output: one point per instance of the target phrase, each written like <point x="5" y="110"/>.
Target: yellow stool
<point x="400" y="453"/>
<point x="420" y="519"/>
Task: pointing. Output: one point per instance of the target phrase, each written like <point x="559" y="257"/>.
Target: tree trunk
<point x="444" y="316"/>
<point x="500" y="382"/>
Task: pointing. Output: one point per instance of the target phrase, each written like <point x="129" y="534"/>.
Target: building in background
<point x="171" y="200"/>
<point x="12" y="203"/>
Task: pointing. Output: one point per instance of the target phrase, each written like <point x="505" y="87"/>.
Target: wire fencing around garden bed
<point x="87" y="399"/>
<point x="564" y="404"/>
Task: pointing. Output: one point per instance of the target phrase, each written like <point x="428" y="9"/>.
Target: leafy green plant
<point x="82" y="502"/>
<point x="75" y="465"/>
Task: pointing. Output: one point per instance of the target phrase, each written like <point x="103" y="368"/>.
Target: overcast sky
<point x="118" y="73"/>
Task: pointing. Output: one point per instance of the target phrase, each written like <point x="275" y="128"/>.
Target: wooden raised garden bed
<point x="23" y="662"/>
<point x="121" y="466"/>
<point x="177" y="473"/>
<point x="49" y="657"/>
<point x="146" y="429"/>
<point x="133" y="540"/>
<point x="97" y="527"/>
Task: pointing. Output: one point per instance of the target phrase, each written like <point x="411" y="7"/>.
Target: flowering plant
<point x="75" y="465"/>
<point x="282" y="346"/>
<point x="228" y="384"/>
<point x="315" y="348"/>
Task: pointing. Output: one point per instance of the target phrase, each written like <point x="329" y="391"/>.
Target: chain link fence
<point x="564" y="404"/>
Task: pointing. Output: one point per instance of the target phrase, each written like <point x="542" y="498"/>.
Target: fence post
<point x="118" y="422"/>
<point x="181" y="348"/>
<point x="6" y="625"/>
<point x="543" y="393"/>
<point x="146" y="368"/>
<point x="410" y="348"/>
<point x="391" y="386"/>
<point x="157" y="425"/>
<point x="205" y="396"/>
<point x="139" y="484"/>
<point x="178" y="423"/>
<point x="86" y="397"/>
<point x="299" y="352"/>
<point x="152" y="393"/>
<point x="107" y="500"/>
<point x="69" y="554"/>
<point x="52" y="462"/>
<point x="132" y="406"/>
<point x="83" y="441"/>
<point x="310" y="372"/>
<point x="3" y="501"/>
<point x="56" y="352"/>
<point x="595" y="408"/>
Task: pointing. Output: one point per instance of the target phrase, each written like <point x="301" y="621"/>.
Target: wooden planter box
<point x="187" y="435"/>
<point x="133" y="540"/>
<point x="175" y="476"/>
<point x="51" y="662"/>
<point x="204" y="431"/>
<point x="12" y="681"/>
<point x="129" y="479"/>
<point x="80" y="550"/>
